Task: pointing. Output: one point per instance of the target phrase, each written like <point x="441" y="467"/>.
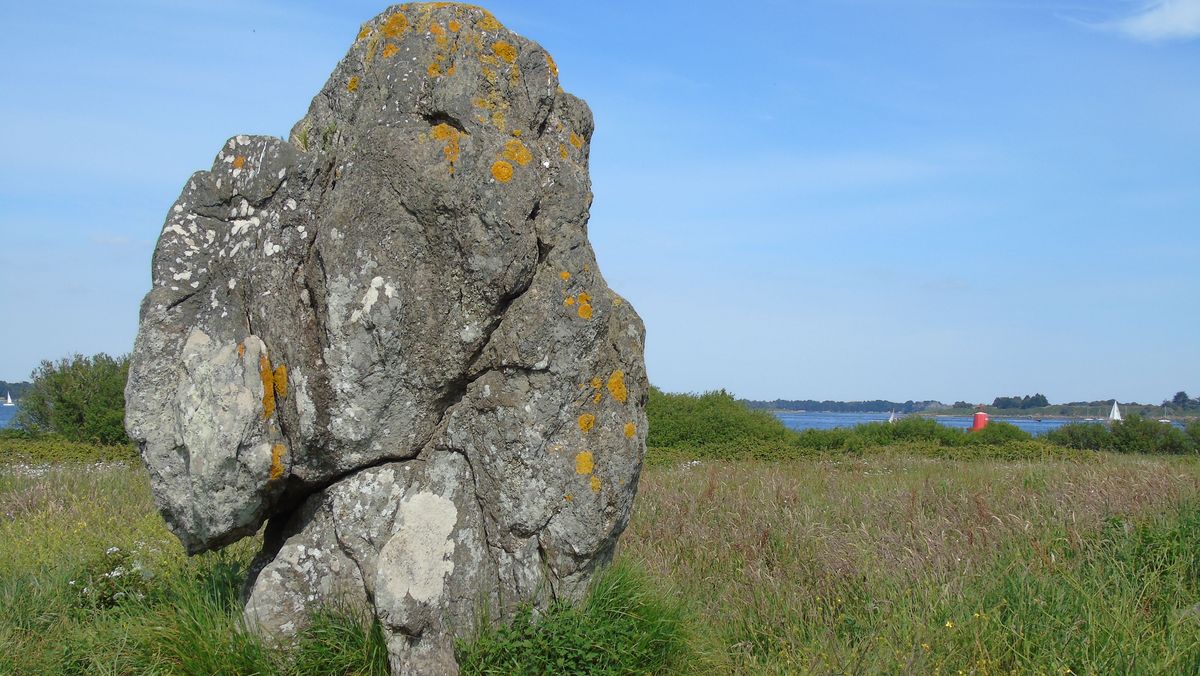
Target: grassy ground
<point x="888" y="562"/>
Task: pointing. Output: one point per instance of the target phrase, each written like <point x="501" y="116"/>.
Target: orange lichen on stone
<point x="596" y="383"/>
<point x="584" y="463"/>
<point x="239" y="161"/>
<point x="352" y="84"/>
<point x="570" y="300"/>
<point x="596" y="397"/>
<point x="241" y="349"/>
<point x="502" y="171"/>
<point x="280" y="380"/>
<point x="439" y="33"/>
<point x="516" y="132"/>
<point x="268" y="382"/>
<point x="389" y="50"/>
<point x="576" y="141"/>
<point x="564" y="275"/>
<point x="562" y="151"/>
<point x="489" y="22"/>
<point x="363" y="32"/>
<point x="630" y="430"/>
<point x="586" y="422"/>
<point x="454" y="26"/>
<point x="395" y="26"/>
<point x="584" y="297"/>
<point x="585" y="310"/>
<point x="595" y="482"/>
<point x="550" y="62"/>
<point x="277" y="452"/>
<point x="616" y="386"/>
<point x="568" y="497"/>
<point x="504" y="50"/>
<point x="451" y="136"/>
<point x="517" y="152"/>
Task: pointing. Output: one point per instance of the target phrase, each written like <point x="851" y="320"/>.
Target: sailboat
<point x="8" y="399"/>
<point x="1115" y="414"/>
<point x="892" y="417"/>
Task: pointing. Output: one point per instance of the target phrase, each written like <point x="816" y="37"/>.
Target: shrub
<point x="1139" y="435"/>
<point x="80" y="398"/>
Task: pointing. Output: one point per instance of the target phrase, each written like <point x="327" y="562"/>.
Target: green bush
<point x="80" y="398"/>
<point x="623" y="627"/>
<point x="1132" y="435"/>
<point x="680" y="420"/>
<point x="54" y="449"/>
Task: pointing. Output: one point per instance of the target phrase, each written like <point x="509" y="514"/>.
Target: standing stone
<point x="388" y="335"/>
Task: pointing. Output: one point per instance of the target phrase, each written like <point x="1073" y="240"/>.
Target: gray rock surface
<point x="388" y="335"/>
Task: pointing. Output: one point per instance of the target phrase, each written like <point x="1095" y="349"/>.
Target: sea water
<point x="6" y="415"/>
<point x="805" y="420"/>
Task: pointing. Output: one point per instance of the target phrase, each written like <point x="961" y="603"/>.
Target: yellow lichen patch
<point x="562" y="151"/>
<point x="585" y="310"/>
<point x="277" y="452"/>
<point x="502" y="171"/>
<point x="241" y="349"/>
<point x="489" y="22"/>
<point x="352" y="84"/>
<point x="517" y="152"/>
<point x="616" y="386"/>
<point x="596" y="397"/>
<point x="280" y="379"/>
<point x="568" y="497"/>
<point x="569" y="301"/>
<point x="239" y="161"/>
<point x="616" y="301"/>
<point x="553" y="66"/>
<point x="596" y="383"/>
<point x="504" y="50"/>
<point x="372" y="48"/>
<point x="268" y="382"/>
<point x="584" y="297"/>
<point x="630" y="430"/>
<point x="451" y="136"/>
<point x="389" y="50"/>
<point x="395" y="26"/>
<point x="363" y="32"/>
<point x="564" y="275"/>
<point x="586" y="422"/>
<point x="454" y="26"/>
<point x="516" y="132"/>
<point x="439" y="34"/>
<point x="576" y="141"/>
<point x="595" y="482"/>
<point x="584" y="463"/>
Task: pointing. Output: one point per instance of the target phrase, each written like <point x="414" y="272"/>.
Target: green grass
<point x="916" y="557"/>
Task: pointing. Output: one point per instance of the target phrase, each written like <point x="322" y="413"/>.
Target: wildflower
<point x="112" y="550"/>
<point x="925" y="647"/>
<point x="949" y="624"/>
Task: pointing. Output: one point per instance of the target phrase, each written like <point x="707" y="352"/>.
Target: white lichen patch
<point x="416" y="561"/>
<point x="369" y="299"/>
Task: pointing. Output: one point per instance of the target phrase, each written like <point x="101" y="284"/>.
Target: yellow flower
<point x="925" y="646"/>
<point x="949" y="624"/>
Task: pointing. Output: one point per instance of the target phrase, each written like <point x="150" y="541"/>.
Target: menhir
<point x="388" y="336"/>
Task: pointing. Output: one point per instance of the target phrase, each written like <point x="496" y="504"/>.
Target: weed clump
<point x="622" y="627"/>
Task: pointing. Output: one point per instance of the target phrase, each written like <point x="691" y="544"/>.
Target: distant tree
<point x="1181" y="399"/>
<point x="81" y="398"/>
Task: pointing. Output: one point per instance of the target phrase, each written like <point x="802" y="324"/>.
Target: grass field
<point x="887" y="563"/>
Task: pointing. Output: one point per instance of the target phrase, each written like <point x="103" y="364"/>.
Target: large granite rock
<point x="388" y="335"/>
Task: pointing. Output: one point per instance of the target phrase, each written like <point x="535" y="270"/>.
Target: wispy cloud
<point x="1162" y="20"/>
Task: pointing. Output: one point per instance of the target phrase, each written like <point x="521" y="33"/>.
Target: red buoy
<point x="980" y="421"/>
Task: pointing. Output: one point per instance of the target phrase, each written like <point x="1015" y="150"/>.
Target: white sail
<point x="1115" y="413"/>
<point x="8" y="399"/>
<point x="892" y="417"/>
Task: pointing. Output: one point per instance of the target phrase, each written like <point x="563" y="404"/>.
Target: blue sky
<point x="844" y="199"/>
